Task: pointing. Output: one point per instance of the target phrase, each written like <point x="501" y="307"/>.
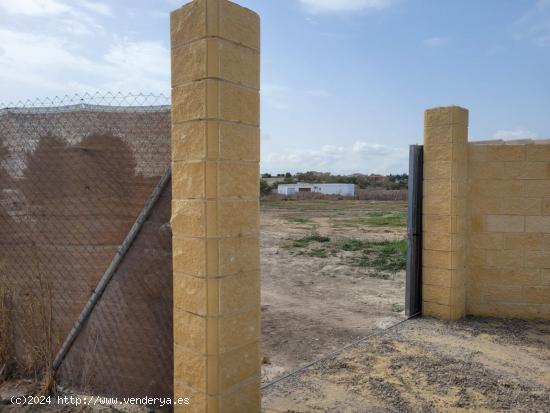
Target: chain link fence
<point x="75" y="174"/>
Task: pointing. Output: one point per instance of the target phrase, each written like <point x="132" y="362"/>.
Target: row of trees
<point x="398" y="181"/>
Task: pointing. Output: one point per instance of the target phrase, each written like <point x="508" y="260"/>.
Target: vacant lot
<point x="332" y="271"/>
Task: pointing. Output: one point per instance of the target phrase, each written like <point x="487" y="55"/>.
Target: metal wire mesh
<point x="74" y="174"/>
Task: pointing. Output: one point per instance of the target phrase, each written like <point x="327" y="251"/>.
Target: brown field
<point x="317" y="292"/>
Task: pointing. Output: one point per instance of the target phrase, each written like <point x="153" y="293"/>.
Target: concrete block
<point x="189" y="141"/>
<point x="188" y="218"/>
<point x="239" y="25"/>
<point x="505" y="258"/>
<point x="476" y="223"/>
<point x="438" y="135"/>
<point x="437" y="276"/>
<point x="189" y="255"/>
<point x="190" y="294"/>
<point x="432" y="309"/>
<point x="537" y="295"/>
<point x="240" y="254"/>
<point x="189" y="102"/>
<point x="538" y="153"/>
<point x="497" y="188"/>
<point x="486" y="169"/>
<point x="437" y="188"/>
<point x="239" y="180"/>
<point x="505" y="223"/>
<point x="520" y="206"/>
<point x="237" y="64"/>
<point x="188" y="23"/>
<point x="436" y="294"/>
<point x="449" y="115"/>
<point x="436" y="241"/>
<point x="531" y="241"/>
<point x="239" y="366"/>
<point x="188" y="180"/>
<point x="504" y="276"/>
<point x="436" y="259"/>
<point x="537" y="259"/>
<point x="190" y="331"/>
<point x="497" y="153"/>
<point x="440" y="170"/>
<point x="503" y="293"/>
<point x="436" y="223"/>
<point x="245" y="398"/>
<point x="238" y="218"/>
<point x="436" y="151"/>
<point x="191" y="61"/>
<point x="436" y="204"/>
<point x="459" y="223"/>
<point x="239" y="329"/>
<point x="190" y="368"/>
<point x="239" y="293"/>
<point x="197" y="400"/>
<point x="537" y="224"/>
<point x="239" y="142"/>
<point x="488" y="241"/>
<point x="534" y="188"/>
<point x="239" y="104"/>
<point x="525" y="170"/>
<point x="476" y="256"/>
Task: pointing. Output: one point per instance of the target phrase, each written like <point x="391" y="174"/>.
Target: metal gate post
<point x="413" y="292"/>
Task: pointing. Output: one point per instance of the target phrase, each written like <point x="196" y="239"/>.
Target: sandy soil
<point x="310" y="305"/>
<point x="424" y="365"/>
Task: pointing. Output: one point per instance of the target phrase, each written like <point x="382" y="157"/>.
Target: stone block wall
<point x="486" y="223"/>
<point x="215" y="207"/>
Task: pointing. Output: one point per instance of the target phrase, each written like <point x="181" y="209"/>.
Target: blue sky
<point x="344" y="82"/>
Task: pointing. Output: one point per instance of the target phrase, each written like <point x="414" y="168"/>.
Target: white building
<point x="326" y="189"/>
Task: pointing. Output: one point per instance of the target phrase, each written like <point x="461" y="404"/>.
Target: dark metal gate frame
<point x="413" y="291"/>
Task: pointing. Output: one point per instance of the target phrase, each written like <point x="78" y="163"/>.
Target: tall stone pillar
<point x="445" y="212"/>
<point x="215" y="210"/>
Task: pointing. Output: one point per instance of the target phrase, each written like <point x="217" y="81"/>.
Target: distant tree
<point x="265" y="188"/>
<point x="288" y="175"/>
<point x="266" y="175"/>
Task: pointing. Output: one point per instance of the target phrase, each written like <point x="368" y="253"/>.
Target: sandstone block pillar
<point x="215" y="210"/>
<point x="445" y="212"/>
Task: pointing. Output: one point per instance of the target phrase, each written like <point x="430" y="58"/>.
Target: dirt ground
<point x="313" y="305"/>
<point x="425" y="365"/>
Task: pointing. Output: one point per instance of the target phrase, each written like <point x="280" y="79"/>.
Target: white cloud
<point x="339" y="6"/>
<point x="134" y="65"/>
<point x="534" y="25"/>
<point x="75" y="18"/>
<point x="34" y="7"/>
<point x="436" y="41"/>
<point x="517" y="133"/>
<point x="360" y="157"/>
<point x="54" y="65"/>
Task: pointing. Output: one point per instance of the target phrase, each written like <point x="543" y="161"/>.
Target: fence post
<point x="413" y="292"/>
<point x="445" y="212"/>
<point x="215" y="209"/>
